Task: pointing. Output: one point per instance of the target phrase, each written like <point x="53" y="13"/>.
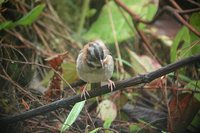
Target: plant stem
<point x="83" y="16"/>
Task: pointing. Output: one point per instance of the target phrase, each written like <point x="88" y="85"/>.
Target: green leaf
<point x="95" y="130"/>
<point x="186" y="43"/>
<point x="6" y="25"/>
<point x="194" y="125"/>
<point x="72" y="115"/>
<point x="31" y="16"/>
<point x="146" y="9"/>
<point x="194" y="21"/>
<point x="124" y="61"/>
<point x="195" y="86"/>
<point x="107" y="123"/>
<point x="25" y="20"/>
<point x="134" y="128"/>
<point x="101" y="28"/>
<point x="181" y="45"/>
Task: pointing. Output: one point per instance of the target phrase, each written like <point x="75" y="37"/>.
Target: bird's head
<point x="96" y="54"/>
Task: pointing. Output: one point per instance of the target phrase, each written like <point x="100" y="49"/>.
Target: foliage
<point x="28" y="19"/>
<point x="102" y="27"/>
<point x="31" y="16"/>
<point x="74" y="113"/>
<point x="186" y="43"/>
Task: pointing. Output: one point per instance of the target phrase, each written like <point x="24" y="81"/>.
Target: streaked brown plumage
<point x="95" y="64"/>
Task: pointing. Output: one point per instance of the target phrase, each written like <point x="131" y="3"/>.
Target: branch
<point x="173" y="11"/>
<point x="181" y="19"/>
<point x="136" y="19"/>
<point x="69" y="102"/>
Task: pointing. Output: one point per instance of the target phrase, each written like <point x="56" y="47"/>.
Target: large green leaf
<point x="180" y="45"/>
<point x="146" y="9"/>
<point x="195" y="22"/>
<point x="107" y="123"/>
<point x="101" y="28"/>
<point x="31" y="16"/>
<point x="74" y="113"/>
<point x="186" y="43"/>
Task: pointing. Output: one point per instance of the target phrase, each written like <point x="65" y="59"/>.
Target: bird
<point x="95" y="65"/>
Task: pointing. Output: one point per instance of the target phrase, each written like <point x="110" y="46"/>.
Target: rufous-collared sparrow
<point x="95" y="64"/>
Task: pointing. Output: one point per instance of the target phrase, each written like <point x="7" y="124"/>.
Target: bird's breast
<point x="93" y="75"/>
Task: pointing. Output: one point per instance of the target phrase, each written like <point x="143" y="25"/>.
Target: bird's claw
<point x="111" y="84"/>
<point x="84" y="93"/>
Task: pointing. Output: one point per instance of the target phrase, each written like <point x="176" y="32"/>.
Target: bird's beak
<point x="102" y="63"/>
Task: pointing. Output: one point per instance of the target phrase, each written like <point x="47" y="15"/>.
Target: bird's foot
<point x="84" y="92"/>
<point x="111" y="85"/>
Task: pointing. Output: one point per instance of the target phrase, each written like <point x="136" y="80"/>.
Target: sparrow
<point x="95" y="64"/>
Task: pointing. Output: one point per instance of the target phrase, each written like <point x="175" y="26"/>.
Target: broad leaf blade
<point x="107" y="123"/>
<point x="101" y="28"/>
<point x="73" y="115"/>
<point x="31" y="16"/>
<point x="180" y="45"/>
<point x="194" y="21"/>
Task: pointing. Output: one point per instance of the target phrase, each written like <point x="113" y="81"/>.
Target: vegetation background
<point x="39" y="44"/>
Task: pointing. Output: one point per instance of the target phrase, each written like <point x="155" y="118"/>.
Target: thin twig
<point x="180" y="18"/>
<point x="189" y="11"/>
<point x="83" y="15"/>
<point x="130" y="12"/>
<point x="167" y="103"/>
<point x="27" y="42"/>
<point x="137" y="18"/>
<point x="174" y="3"/>
<point x="146" y="42"/>
<point x="121" y="68"/>
<point x="40" y="35"/>
<point x="44" y="66"/>
<point x="194" y="2"/>
<point x="20" y="89"/>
